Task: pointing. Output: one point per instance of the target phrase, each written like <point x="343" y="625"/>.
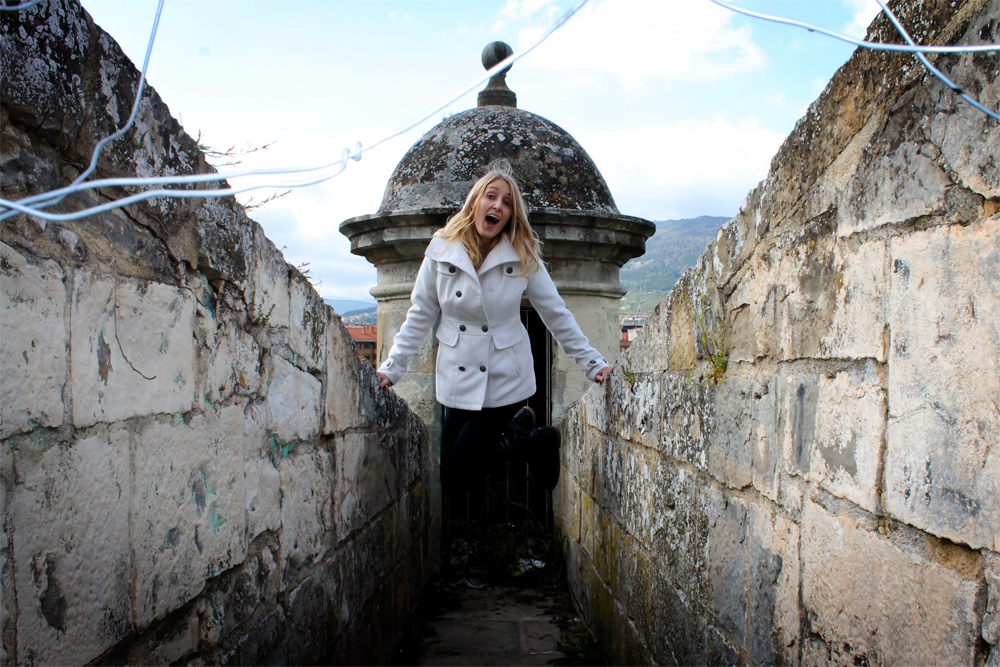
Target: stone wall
<point x="832" y="498"/>
<point x="195" y="464"/>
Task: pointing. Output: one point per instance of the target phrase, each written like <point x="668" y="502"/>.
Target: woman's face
<point x="493" y="210"/>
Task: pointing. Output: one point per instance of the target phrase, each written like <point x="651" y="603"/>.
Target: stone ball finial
<point x="495" y="52"/>
<point x="496" y="93"/>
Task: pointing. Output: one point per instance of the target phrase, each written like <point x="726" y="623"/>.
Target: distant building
<point x="632" y="319"/>
<point x="629" y="332"/>
<point x="365" y="337"/>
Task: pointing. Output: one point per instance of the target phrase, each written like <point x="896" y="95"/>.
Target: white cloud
<point x="519" y="10"/>
<point x="648" y="41"/>
<point x="865" y="12"/>
<point x="691" y="168"/>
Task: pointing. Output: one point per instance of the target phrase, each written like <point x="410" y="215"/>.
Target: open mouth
<point x="492" y="219"/>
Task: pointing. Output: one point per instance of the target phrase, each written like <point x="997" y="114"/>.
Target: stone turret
<point x="585" y="239"/>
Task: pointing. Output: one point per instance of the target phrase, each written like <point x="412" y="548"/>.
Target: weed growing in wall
<point x="715" y="346"/>
<point x="256" y="313"/>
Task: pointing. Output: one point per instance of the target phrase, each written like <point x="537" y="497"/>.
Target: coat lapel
<point x="452" y="252"/>
<point x="502" y="253"/>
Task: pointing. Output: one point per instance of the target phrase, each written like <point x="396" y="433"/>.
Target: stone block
<point x="293" y="402"/>
<point x="153" y="324"/>
<point x="597" y="404"/>
<point x="227" y="236"/>
<point x="686" y="420"/>
<point x="637" y="404"/>
<point x="830" y="189"/>
<point x="306" y="508"/>
<point x="71" y="559"/>
<point x="611" y="481"/>
<point x="846" y="458"/>
<point x="366" y="475"/>
<point x="609" y="537"/>
<point x="991" y="617"/>
<point x="968" y="139"/>
<point x="681" y="533"/>
<point x="342" y="406"/>
<point x="45" y="60"/>
<point x="783" y="305"/>
<point x="188" y="511"/>
<point x="265" y="642"/>
<point x="309" y="623"/>
<point x="309" y="318"/>
<point x="641" y="472"/>
<point x="942" y="468"/>
<point x="263" y="481"/>
<point x="633" y="584"/>
<point x="263" y="499"/>
<point x="344" y="572"/>
<point x="682" y="341"/>
<point x="266" y="293"/>
<point x="372" y="563"/>
<point x="383" y="409"/>
<point x="7" y="597"/>
<point x="858" y="328"/>
<point x="773" y="635"/>
<point x="234" y="600"/>
<point x="574" y="438"/>
<point x="799" y="400"/>
<point x="727" y="562"/>
<point x="908" y="600"/>
<point x="895" y="184"/>
<point x="233" y="365"/>
<point x="632" y="649"/>
<point x="168" y="642"/>
<point x="34" y="332"/>
<point x="674" y="639"/>
<point x="743" y="446"/>
<point x="589" y="524"/>
<point x="420" y="453"/>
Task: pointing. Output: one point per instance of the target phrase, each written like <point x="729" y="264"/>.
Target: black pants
<point x="469" y="442"/>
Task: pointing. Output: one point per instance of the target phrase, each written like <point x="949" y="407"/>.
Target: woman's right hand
<point x="383" y="380"/>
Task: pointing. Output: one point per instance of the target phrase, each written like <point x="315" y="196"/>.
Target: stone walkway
<point x="494" y="625"/>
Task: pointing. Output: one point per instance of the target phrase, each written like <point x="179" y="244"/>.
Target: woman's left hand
<point x="602" y="374"/>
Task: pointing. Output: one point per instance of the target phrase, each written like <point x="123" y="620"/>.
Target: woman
<point x="474" y="273"/>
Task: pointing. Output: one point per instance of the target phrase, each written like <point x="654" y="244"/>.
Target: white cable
<point x="56" y="196"/>
<point x="875" y="46"/>
<point x="17" y="8"/>
<point x="150" y="194"/>
<point x="934" y="70"/>
<point x="25" y="205"/>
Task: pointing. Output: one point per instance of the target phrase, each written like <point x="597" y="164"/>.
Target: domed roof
<point x="553" y="170"/>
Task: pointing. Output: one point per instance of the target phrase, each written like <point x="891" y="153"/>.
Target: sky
<point x="680" y="103"/>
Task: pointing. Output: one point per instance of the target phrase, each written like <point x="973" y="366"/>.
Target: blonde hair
<point x="462" y="225"/>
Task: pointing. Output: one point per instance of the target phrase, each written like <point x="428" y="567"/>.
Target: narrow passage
<point x="469" y="617"/>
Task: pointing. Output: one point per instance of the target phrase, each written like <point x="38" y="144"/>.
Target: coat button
<point x="510" y="269"/>
<point x="461" y="327"/>
<point x="451" y="269"/>
<point x="458" y="293"/>
<point x="485" y="328"/>
<point x="482" y="368"/>
<point x="461" y="368"/>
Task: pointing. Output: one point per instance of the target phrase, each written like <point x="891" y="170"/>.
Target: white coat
<point x="484" y="356"/>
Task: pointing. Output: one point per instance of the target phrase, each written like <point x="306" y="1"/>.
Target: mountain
<point x="348" y="306"/>
<point x="671" y="251"/>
